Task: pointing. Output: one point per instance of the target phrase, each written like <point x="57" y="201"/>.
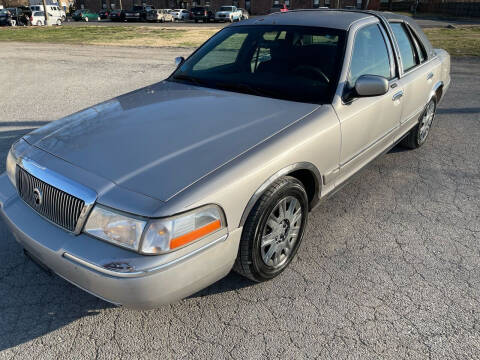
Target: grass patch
<point x="462" y="41"/>
<point x="109" y="35"/>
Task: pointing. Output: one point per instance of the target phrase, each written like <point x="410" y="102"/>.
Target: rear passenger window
<point x="407" y="49"/>
<point x="422" y="53"/>
<point x="370" y="55"/>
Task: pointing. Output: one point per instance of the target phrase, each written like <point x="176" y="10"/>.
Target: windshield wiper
<point x="244" y="88"/>
<point x="189" y="78"/>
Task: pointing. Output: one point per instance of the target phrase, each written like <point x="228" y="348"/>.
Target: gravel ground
<point x="389" y="267"/>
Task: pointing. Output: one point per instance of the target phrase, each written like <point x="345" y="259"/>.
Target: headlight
<point x="164" y="235"/>
<point x="159" y="235"/>
<point x="11" y="167"/>
<point x="115" y="227"/>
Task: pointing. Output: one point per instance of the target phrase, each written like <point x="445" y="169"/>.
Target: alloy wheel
<point x="281" y="232"/>
<point x="426" y="121"/>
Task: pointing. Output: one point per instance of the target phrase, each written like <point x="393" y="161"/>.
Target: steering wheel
<point x="311" y="70"/>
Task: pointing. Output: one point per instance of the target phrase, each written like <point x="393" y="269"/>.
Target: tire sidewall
<point x="290" y="188"/>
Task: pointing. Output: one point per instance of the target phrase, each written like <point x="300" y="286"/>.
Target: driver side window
<point x="370" y="55"/>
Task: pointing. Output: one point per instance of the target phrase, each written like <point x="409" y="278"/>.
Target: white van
<point x="38" y="19"/>
<point x="55" y="10"/>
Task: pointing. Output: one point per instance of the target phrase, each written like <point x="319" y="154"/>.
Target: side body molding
<point x="285" y="171"/>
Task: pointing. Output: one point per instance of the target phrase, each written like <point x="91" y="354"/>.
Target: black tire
<point x="249" y="262"/>
<point x="414" y="139"/>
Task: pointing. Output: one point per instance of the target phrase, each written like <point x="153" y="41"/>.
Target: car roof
<point x="335" y="19"/>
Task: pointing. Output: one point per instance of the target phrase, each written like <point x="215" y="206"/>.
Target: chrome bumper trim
<point x="132" y="273"/>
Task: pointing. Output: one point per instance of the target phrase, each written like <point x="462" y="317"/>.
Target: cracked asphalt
<point x="389" y="267"/>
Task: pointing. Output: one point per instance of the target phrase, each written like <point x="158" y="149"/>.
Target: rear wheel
<point x="59" y="22"/>
<point x="39" y="23"/>
<point x="418" y="135"/>
<point x="273" y="231"/>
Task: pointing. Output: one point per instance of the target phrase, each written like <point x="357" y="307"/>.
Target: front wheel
<point x="418" y="135"/>
<point x="273" y="231"/>
<point x="86" y="19"/>
<point x="59" y="22"/>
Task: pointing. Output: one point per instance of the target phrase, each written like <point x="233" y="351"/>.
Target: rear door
<point x="368" y="124"/>
<point x="417" y="75"/>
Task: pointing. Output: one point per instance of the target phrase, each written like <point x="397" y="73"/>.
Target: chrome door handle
<point x="397" y="95"/>
<point x="429" y="76"/>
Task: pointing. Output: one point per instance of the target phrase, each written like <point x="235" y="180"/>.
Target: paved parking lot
<point x="389" y="267"/>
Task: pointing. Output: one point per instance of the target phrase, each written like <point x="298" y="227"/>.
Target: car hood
<point x="159" y="140"/>
<point x="224" y="12"/>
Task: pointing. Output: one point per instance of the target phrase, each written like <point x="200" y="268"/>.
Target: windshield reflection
<point x="296" y="63"/>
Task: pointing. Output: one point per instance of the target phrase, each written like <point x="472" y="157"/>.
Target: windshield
<point x="226" y="8"/>
<point x="3" y="12"/>
<point x="295" y="63"/>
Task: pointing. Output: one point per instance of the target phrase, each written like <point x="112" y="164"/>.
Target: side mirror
<point x="179" y="61"/>
<point x="371" y="85"/>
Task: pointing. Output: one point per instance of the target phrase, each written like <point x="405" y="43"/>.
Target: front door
<point x="368" y="124"/>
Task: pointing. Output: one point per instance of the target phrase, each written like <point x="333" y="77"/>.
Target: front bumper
<point x="114" y="274"/>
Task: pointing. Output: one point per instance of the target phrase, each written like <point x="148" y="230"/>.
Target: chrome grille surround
<point x="65" y="203"/>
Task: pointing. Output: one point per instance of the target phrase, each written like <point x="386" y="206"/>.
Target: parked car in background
<point x="245" y="14"/>
<point x="159" y="15"/>
<point x="278" y="8"/>
<point x="19" y="17"/>
<point x="26" y="10"/>
<point x="117" y="15"/>
<point x="5" y="17"/>
<point x="85" y="15"/>
<point x="104" y="14"/>
<point x="202" y="189"/>
<point x="138" y="13"/>
<point x="180" y="14"/>
<point x="204" y="14"/>
<point x="228" y="13"/>
<point x="38" y="19"/>
<point x="55" y="10"/>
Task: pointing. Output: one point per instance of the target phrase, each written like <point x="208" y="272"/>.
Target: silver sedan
<point x="156" y="194"/>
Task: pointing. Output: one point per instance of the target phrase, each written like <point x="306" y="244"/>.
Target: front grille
<point x="54" y="204"/>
